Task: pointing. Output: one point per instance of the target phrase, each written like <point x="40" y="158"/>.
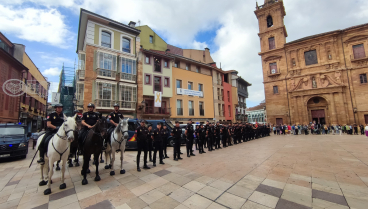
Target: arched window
<point x="269" y="21"/>
<point x="106" y="39"/>
<point x="126" y="45"/>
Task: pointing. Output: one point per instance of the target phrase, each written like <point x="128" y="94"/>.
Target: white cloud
<point x="55" y="60"/>
<point x="54" y="71"/>
<point x="199" y="45"/>
<point x="34" y="24"/>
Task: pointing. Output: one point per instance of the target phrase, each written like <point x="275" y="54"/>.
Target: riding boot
<point x="42" y="153"/>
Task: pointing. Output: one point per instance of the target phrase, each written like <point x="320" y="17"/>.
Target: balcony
<point x="106" y="73"/>
<point x="191" y="112"/>
<point x="104" y="103"/>
<point x="127" y="105"/>
<point x="81" y="74"/>
<point x="179" y="111"/>
<point x="127" y="76"/>
<point x="158" y="110"/>
<point x="201" y="112"/>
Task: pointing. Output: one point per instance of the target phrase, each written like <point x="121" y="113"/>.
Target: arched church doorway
<point x="317" y="110"/>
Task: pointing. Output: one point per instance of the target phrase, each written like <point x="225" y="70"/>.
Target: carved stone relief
<point x="316" y="81"/>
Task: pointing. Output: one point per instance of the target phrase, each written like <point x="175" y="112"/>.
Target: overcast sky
<point x="49" y="28"/>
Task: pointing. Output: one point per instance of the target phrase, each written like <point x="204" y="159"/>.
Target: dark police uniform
<point x="113" y="117"/>
<point x="91" y="119"/>
<point x="201" y="135"/>
<point x="205" y="142"/>
<point x="224" y="135"/>
<point x="189" y="137"/>
<point x="149" y="144"/>
<point x="177" y="137"/>
<point x="210" y="138"/>
<point x="165" y="136"/>
<point x="217" y="137"/>
<point x="56" y="120"/>
<point x="142" y="133"/>
<point x="157" y="141"/>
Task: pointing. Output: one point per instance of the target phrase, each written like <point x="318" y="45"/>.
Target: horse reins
<point x="119" y="142"/>
<point x="63" y="138"/>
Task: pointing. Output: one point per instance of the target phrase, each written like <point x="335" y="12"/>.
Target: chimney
<point x="131" y="24"/>
<point x="206" y="49"/>
<point x="167" y="50"/>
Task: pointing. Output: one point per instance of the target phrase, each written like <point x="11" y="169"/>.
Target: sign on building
<point x="158" y="97"/>
<point x="189" y="92"/>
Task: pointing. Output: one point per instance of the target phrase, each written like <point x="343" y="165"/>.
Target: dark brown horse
<point x="93" y="146"/>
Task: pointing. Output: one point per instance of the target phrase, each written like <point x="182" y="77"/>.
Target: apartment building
<point x="242" y="95"/>
<point x="107" y="70"/>
<point x="192" y="91"/>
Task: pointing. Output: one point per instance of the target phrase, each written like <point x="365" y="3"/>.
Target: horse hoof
<point x="107" y="166"/>
<point x="122" y="171"/>
<point x="112" y="173"/>
<point x="84" y="182"/>
<point x="42" y="183"/>
<point x="88" y="171"/>
<point x="57" y="168"/>
<point x="47" y="191"/>
<point x="102" y="161"/>
<point x="62" y="186"/>
<point x="71" y="165"/>
<point x="97" y="178"/>
<point x="76" y="164"/>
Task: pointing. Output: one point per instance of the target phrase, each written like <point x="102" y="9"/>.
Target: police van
<point x="134" y="124"/>
<point x="13" y="140"/>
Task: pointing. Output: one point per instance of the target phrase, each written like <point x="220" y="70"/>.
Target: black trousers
<point x="150" y="148"/>
<point x="45" y="142"/>
<point x="200" y="144"/>
<point x="209" y="143"/>
<point x="196" y="143"/>
<point x="224" y="137"/>
<point x="142" y="146"/>
<point x="229" y="140"/>
<point x="205" y="142"/>
<point x="164" y="146"/>
<point x="217" y="146"/>
<point x="158" y="147"/>
<point x="189" y="143"/>
<point x="177" y="148"/>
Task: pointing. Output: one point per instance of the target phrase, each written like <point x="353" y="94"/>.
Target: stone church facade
<point x="321" y="78"/>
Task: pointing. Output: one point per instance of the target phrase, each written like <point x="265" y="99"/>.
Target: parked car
<point x="134" y="124"/>
<point x="13" y="140"/>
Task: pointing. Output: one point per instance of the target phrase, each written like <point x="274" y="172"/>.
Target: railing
<point x="191" y="112"/>
<point x="127" y="76"/>
<point x="81" y="74"/>
<point x="127" y="105"/>
<point x="157" y="87"/>
<point x="104" y="103"/>
<point x="158" y="110"/>
<point x="201" y="112"/>
<point x="179" y="111"/>
<point x="106" y="73"/>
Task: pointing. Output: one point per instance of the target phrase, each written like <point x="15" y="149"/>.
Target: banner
<point x="55" y="97"/>
<point x="158" y="97"/>
<point x="189" y="92"/>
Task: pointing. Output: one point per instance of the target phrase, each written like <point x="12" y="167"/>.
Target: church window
<point x="273" y="68"/>
<point x="363" y="78"/>
<point x="269" y="21"/>
<point x="310" y="57"/>
<point x="271" y="43"/>
<point x="358" y="51"/>
<point x="275" y="90"/>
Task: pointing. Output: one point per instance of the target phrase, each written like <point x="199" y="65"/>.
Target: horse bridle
<point x="66" y="133"/>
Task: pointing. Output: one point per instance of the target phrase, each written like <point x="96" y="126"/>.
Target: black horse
<point x="93" y="145"/>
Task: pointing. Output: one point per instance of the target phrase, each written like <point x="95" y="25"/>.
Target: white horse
<point x="58" y="149"/>
<point x="118" y="140"/>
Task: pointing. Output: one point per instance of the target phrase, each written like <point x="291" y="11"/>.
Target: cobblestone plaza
<point x="325" y="171"/>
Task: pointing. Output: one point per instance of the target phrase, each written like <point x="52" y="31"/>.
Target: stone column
<point x="295" y="110"/>
<point x="333" y="109"/>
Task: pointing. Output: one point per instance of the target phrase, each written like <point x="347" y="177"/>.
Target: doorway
<point x="279" y="121"/>
<point x="318" y="116"/>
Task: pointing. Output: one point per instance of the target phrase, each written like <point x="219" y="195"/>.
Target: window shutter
<point x="114" y="63"/>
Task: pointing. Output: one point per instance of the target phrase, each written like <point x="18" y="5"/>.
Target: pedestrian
<point x="141" y="136"/>
<point x="217" y="135"/>
<point x="361" y="129"/>
<point x="189" y="138"/>
<point x="366" y="130"/>
<point x="34" y="138"/>
<point x="176" y="133"/>
<point x="296" y="129"/>
<point x="274" y="130"/>
<point x="157" y="142"/>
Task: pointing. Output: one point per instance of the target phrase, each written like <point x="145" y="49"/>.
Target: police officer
<point x="229" y="131"/>
<point x="150" y="142"/>
<point x="89" y="120"/>
<point x="157" y="141"/>
<point x="210" y="137"/>
<point x="224" y="135"/>
<point x="165" y="136"/>
<point x="176" y="133"/>
<point x="217" y="135"/>
<point x="206" y="127"/>
<point x="189" y="138"/>
<point x="114" y="118"/>
<point x="54" y="121"/>
<point x="201" y="135"/>
<point x="141" y="135"/>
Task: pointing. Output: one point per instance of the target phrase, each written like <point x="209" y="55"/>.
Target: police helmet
<point x="91" y="105"/>
<point x="143" y="121"/>
<point x="177" y="122"/>
<point x="58" y="105"/>
<point x="116" y="105"/>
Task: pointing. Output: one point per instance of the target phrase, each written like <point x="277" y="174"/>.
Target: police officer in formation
<point x="89" y="120"/>
<point x="142" y="144"/>
<point x="54" y="121"/>
<point x="176" y="133"/>
<point x="201" y="135"/>
<point x="217" y="135"/>
<point x="189" y="138"/>
<point x="165" y="136"/>
<point x="157" y="143"/>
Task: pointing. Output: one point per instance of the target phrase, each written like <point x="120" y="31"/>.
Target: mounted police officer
<point x="114" y="118"/>
<point x="176" y="133"/>
<point x="189" y="138"/>
<point x="141" y="135"/>
<point x="89" y="120"/>
<point x="54" y="121"/>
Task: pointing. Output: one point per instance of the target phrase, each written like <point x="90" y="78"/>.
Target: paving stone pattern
<point x="283" y="172"/>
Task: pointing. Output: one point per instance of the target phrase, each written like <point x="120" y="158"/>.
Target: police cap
<point x="116" y="105"/>
<point x="143" y="121"/>
<point x="176" y="121"/>
<point x="189" y="119"/>
<point x="58" y="105"/>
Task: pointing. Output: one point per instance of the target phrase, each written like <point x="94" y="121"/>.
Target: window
<point x="310" y="57"/>
<point x="106" y="39"/>
<point x="200" y="88"/>
<point x="147" y="79"/>
<point x="228" y="96"/>
<point x="363" y="78"/>
<point x="151" y="39"/>
<point x="273" y="68"/>
<point x="128" y="96"/>
<point x="222" y="94"/>
<point x="179" y="107"/>
<point x="166" y="64"/>
<point x="157" y="84"/>
<point x="157" y="67"/>
<point x="105" y="94"/>
<point x="275" y="90"/>
<point x="358" y="51"/>
<point x="269" y="21"/>
<point x="178" y="84"/>
<point x="148" y="60"/>
<point x="218" y="94"/>
<point x="126" y="45"/>
<point x="187" y="67"/>
<point x="191" y="108"/>
<point x="201" y="109"/>
<point x="167" y="82"/>
<point x="190" y="85"/>
<point x="128" y="69"/>
<point x="198" y="69"/>
<point x="177" y="64"/>
<point x="219" y="109"/>
<point x="229" y="108"/>
<point x="271" y="43"/>
<point x="4" y="46"/>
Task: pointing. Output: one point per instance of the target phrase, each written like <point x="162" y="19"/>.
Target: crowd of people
<point x="316" y="128"/>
